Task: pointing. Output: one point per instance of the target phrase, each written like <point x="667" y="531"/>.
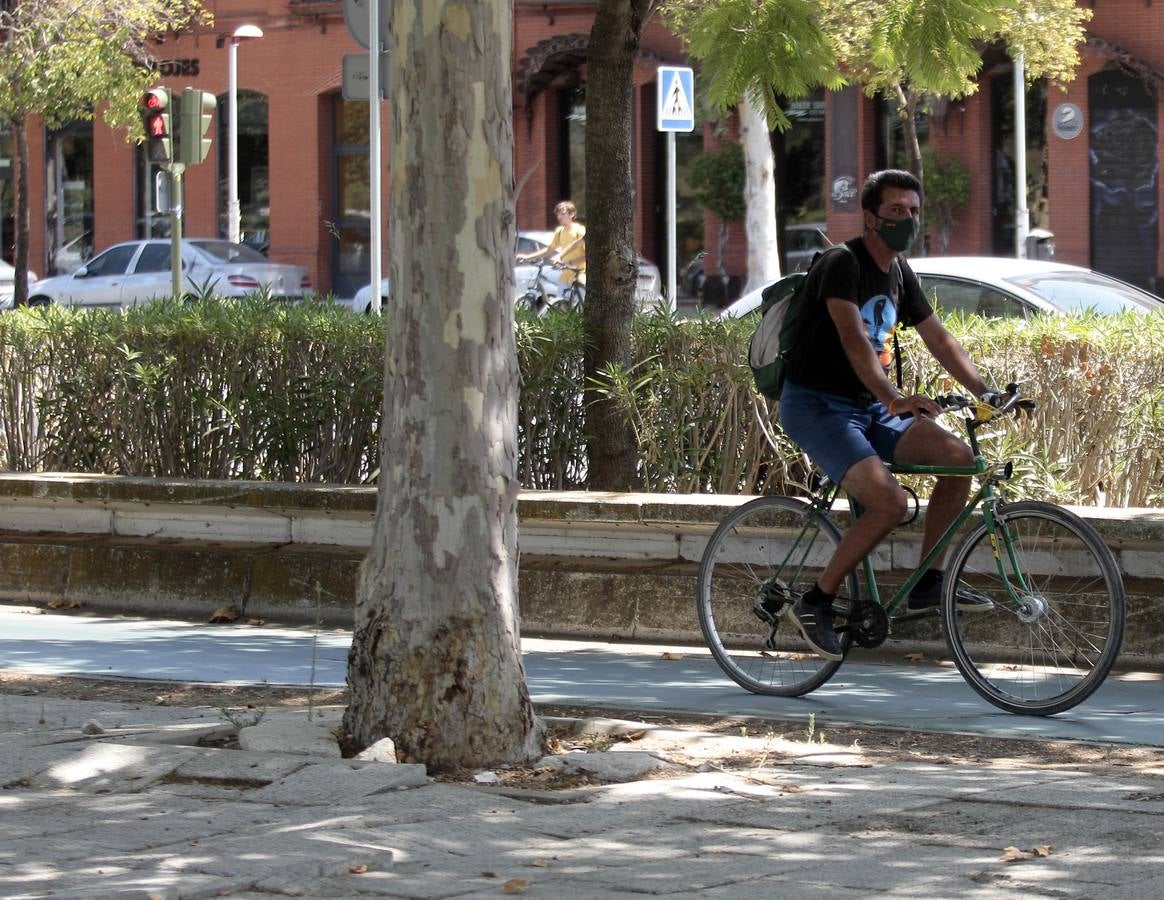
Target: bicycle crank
<point x="869" y="625"/>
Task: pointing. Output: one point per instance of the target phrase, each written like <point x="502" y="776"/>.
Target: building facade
<point x="1093" y="151"/>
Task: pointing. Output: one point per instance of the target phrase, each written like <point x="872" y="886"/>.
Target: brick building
<point x="303" y="161"/>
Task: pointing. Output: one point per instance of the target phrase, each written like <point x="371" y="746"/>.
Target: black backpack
<point x="779" y="328"/>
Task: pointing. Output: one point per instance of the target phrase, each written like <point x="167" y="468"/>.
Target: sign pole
<point x="675" y="111"/>
<point x="176" y="201"/>
<point x="671" y="242"/>
<point x="374" y="50"/>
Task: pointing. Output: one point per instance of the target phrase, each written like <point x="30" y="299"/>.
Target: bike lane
<point x="917" y="695"/>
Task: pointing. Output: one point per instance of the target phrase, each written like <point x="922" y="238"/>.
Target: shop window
<point x="254" y="185"/>
<point x="69" y="200"/>
<point x="351" y="201"/>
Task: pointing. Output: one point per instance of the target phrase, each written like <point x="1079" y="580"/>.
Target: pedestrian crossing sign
<point x="676" y="91"/>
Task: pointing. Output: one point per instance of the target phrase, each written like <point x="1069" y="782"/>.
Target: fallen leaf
<point x="258" y="623"/>
<point x="55" y="604"/>
<point x="1014" y="854"/>
<point x="669" y="655"/>
<point x="358" y="869"/>
<point x="540" y="863"/>
<point x="634" y="736"/>
<point x="914" y="657"/>
<point x="1043" y="850"/>
<point x="223" y="614"/>
<point x="514" y="886"/>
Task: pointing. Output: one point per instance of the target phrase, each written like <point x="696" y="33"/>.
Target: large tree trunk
<point x="760" y="196"/>
<point x="611" y="262"/>
<point x="22" y="220"/>
<point x="435" y="662"/>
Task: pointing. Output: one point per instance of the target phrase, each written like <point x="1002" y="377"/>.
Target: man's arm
<point x="847" y="319"/>
<point x="953" y="357"/>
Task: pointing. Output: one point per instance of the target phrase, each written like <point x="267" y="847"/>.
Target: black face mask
<point x="898" y="234"/>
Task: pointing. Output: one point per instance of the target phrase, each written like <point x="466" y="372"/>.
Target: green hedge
<point x="256" y="389"/>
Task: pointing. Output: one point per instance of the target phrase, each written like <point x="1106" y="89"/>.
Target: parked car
<point x="362" y="302"/>
<point x="801" y="243"/>
<point x="137" y="272"/>
<point x="8" y="284"/>
<point x="1002" y="286"/>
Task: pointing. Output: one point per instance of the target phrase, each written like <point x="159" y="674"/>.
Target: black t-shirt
<point x="885" y="299"/>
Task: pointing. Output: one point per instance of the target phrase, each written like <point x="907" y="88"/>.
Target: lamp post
<point x="233" y="213"/>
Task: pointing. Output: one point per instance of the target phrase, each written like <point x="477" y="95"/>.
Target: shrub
<point x="258" y="389"/>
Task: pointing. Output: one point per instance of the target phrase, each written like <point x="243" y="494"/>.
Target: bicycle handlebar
<point x="1010" y="400"/>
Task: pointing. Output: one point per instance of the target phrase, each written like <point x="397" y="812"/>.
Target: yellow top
<point x="564" y="236"/>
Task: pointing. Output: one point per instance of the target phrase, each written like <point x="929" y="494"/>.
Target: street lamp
<point x="233" y="214"/>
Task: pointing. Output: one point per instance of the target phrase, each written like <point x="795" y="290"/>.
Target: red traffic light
<point x="153" y="100"/>
<point x="156" y="126"/>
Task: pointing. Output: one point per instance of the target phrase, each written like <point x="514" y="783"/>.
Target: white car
<point x="362" y="302"/>
<point x="137" y="272"/>
<point x="1003" y="286"/>
<point x="8" y="284"/>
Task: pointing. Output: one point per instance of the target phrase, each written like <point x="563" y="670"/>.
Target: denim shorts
<point x="838" y="431"/>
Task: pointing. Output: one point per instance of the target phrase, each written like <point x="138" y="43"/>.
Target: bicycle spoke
<point x="1047" y="647"/>
<point x="763" y="551"/>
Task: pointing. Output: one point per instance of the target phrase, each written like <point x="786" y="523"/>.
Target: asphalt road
<point x="921" y="696"/>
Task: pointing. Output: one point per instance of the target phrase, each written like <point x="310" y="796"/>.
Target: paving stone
<point x="339" y="783"/>
<point x="314" y="738"/>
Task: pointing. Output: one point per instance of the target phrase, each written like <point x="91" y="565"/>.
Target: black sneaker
<point x="968" y="600"/>
<point x="816" y="625"/>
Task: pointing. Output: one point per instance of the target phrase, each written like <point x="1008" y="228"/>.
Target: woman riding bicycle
<point x="839" y="406"/>
<point x="568" y="246"/>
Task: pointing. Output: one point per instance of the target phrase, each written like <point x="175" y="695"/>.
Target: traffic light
<point x="155" y="118"/>
<point x="197" y="113"/>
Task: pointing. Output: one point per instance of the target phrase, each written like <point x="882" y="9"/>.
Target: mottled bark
<point x="760" y="197"/>
<point x="435" y="661"/>
<point x="611" y="261"/>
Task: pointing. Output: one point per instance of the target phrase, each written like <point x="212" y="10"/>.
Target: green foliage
<point x="946" y="186"/>
<point x="760" y="49"/>
<point x="62" y="59"/>
<point x="718" y="179"/>
<point x="260" y="389"/>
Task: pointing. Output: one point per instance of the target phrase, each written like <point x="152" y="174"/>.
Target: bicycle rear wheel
<point x="772" y="548"/>
<point x="1053" y="650"/>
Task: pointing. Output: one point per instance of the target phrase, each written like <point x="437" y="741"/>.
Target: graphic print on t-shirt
<point x="880" y="317"/>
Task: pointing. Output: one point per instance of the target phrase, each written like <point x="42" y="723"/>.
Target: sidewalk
<point x="138" y="811"/>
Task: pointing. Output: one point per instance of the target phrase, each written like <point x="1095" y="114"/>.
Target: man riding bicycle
<point x="840" y="407"/>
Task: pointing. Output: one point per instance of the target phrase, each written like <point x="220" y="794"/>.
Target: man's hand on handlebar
<point x="914" y="405"/>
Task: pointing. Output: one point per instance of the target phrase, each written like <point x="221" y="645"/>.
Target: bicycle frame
<point x="984" y="497"/>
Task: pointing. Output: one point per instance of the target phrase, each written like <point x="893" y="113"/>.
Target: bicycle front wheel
<point x="1050" y="645"/>
<point x="769" y="550"/>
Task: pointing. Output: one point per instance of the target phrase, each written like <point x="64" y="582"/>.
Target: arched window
<point x="254" y="185"/>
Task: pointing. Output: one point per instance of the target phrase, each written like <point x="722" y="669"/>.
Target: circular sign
<point x="1067" y="121"/>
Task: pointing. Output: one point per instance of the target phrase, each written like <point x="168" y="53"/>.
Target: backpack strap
<point x="900" y="298"/>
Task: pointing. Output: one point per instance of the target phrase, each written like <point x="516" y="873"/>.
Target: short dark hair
<point x="877" y="182"/>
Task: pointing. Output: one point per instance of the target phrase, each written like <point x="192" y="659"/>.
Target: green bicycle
<point x="1049" y="640"/>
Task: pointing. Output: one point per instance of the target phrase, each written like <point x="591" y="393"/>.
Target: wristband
<point x="889" y="408"/>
